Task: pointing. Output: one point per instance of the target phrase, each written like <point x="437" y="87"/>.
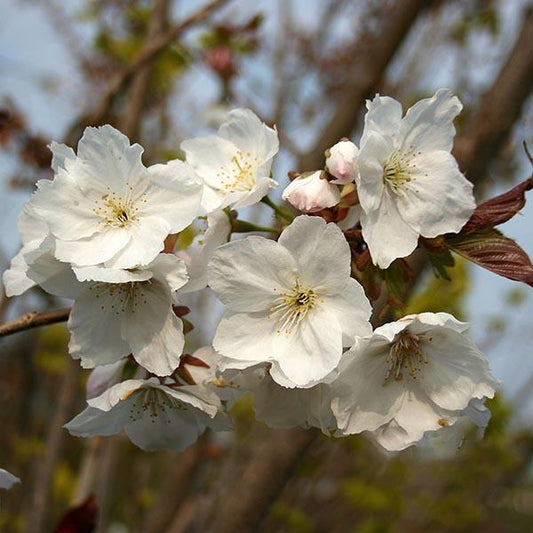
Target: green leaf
<point x="439" y="262"/>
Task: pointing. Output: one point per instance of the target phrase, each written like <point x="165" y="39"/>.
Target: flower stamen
<point x="397" y="171"/>
<point x="293" y="306"/>
<point x="405" y="354"/>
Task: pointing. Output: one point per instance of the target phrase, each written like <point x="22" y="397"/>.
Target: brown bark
<point x="34" y="320"/>
<point x="489" y="127"/>
<point x="54" y="445"/>
<point x="141" y="80"/>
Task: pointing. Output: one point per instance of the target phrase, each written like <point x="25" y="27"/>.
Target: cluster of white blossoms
<point x="296" y="330"/>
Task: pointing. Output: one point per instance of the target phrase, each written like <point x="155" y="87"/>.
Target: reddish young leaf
<point x="499" y="209"/>
<point x="80" y="519"/>
<point x="495" y="252"/>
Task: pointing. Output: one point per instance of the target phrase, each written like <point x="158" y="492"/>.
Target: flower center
<point x="292" y="307"/>
<point x="405" y="354"/>
<point x="119" y="297"/>
<point x="116" y="211"/>
<point x="154" y="401"/>
<point x="240" y="174"/>
<point x="397" y="171"/>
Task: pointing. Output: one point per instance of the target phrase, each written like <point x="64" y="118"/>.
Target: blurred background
<point x="166" y="70"/>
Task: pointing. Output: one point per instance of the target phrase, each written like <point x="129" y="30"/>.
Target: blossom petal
<point x="95" y="329"/>
<point x="428" y="125"/>
<point x="97" y="248"/>
<point x="384" y="116"/>
<point x="146" y="241"/>
<point x="388" y="236"/>
<point x="311" y="350"/>
<point x="245" y="130"/>
<point x="352" y="310"/>
<point x="321" y="251"/>
<point x="360" y="401"/>
<point x="249" y="273"/>
<point x="174" y="194"/>
<point x="372" y="158"/>
<point x="439" y="198"/>
<point x="456" y="371"/>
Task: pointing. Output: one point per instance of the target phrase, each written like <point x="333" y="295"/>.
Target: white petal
<point x="146" y="241"/>
<point x="169" y="269"/>
<point x="15" y="278"/>
<point x="361" y="401"/>
<point x="245" y="337"/>
<point x="92" y="421"/>
<point x="428" y="125"/>
<point x="110" y="275"/>
<point x="7" y="480"/>
<point x="249" y="273"/>
<point x="97" y="248"/>
<point x="153" y="332"/>
<point x="439" y="198"/>
<point x="311" y="350"/>
<point x="246" y="131"/>
<point x="262" y="186"/>
<point x="107" y="158"/>
<point x="208" y="156"/>
<point x="387" y="235"/>
<point x="352" y="310"/>
<point x="61" y="153"/>
<point x="174" y="194"/>
<point x="373" y="156"/>
<point x="456" y="371"/>
<point x="119" y="393"/>
<point x="321" y="251"/>
<point x="95" y="328"/>
<point x="384" y="116"/>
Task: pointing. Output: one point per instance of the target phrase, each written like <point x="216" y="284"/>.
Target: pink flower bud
<point x="311" y="192"/>
<point x="341" y="162"/>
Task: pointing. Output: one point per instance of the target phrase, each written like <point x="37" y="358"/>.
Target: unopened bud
<point x="311" y="193"/>
<point x="341" y="161"/>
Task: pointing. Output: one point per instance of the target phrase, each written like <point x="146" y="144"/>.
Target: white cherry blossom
<point x="7" y="480"/>
<point x="235" y="164"/>
<point x="291" y="303"/>
<point x="154" y="415"/>
<point x="311" y="192"/>
<point x="341" y="162"/>
<point x="408" y="182"/>
<point x="105" y="207"/>
<point x="118" y="312"/>
<point x="409" y="377"/>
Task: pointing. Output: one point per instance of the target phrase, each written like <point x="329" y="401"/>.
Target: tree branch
<point x="367" y="71"/>
<point x="34" y="320"/>
<point x="149" y="51"/>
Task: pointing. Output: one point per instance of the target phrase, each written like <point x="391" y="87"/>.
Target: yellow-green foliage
<point x="65" y="481"/>
<point x="51" y="354"/>
<point x="438" y="294"/>
<point x="292" y="518"/>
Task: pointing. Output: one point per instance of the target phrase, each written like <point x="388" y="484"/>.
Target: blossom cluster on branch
<point x="105" y="233"/>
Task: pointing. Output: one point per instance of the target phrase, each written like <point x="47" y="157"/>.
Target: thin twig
<point x="34" y="319"/>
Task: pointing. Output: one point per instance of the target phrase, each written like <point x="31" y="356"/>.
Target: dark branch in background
<point x="487" y="130"/>
<point x="367" y="71"/>
<point x="270" y="467"/>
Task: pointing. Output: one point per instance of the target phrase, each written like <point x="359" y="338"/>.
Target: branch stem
<point x="280" y="211"/>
